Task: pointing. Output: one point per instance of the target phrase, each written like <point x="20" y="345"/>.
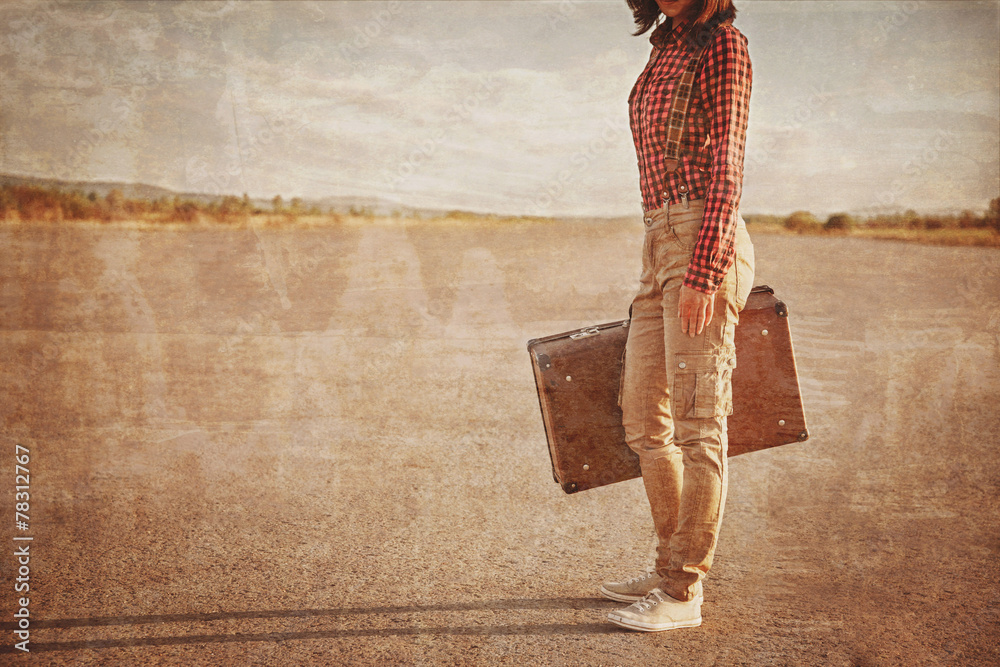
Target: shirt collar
<point x="664" y="34"/>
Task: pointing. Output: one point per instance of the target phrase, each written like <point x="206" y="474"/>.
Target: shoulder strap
<point x="678" y="108"/>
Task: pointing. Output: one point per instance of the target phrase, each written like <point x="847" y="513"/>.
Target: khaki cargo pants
<point x="677" y="392"/>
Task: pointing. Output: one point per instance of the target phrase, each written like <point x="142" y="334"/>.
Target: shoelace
<point x="641" y="577"/>
<point x="648" y="601"/>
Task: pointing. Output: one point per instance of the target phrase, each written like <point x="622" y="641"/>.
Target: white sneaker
<point x="658" y="611"/>
<point x="637" y="588"/>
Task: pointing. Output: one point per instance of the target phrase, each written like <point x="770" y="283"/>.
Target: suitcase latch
<point x="593" y="331"/>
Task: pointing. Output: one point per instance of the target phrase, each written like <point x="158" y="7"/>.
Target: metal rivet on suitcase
<point x="569" y="378"/>
<point x="682" y="365"/>
<point x="764" y="332"/>
<point x="586" y="467"/>
<point x="781" y="422"/>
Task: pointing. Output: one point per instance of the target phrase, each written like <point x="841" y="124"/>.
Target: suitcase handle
<point x="593" y="331"/>
<point x="779" y="307"/>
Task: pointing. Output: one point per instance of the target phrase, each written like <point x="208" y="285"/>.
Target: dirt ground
<point x="323" y="446"/>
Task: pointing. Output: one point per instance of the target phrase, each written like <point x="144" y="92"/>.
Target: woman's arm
<point x="725" y="80"/>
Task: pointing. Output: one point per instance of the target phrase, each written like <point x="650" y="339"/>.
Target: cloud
<point x="487" y="105"/>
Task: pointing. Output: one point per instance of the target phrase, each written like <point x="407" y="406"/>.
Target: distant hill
<point x="102" y="188"/>
<point x="345" y="205"/>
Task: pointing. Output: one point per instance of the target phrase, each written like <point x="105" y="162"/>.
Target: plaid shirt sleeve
<point x="724" y="81"/>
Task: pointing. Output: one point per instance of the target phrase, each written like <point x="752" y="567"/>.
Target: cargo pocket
<point x="703" y="387"/>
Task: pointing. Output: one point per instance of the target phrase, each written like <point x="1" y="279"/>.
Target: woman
<point x="697" y="272"/>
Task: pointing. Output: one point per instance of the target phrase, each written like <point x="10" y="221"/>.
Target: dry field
<point x="287" y="446"/>
<point x="986" y="238"/>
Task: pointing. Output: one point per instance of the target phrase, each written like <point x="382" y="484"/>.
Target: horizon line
<point x="393" y="206"/>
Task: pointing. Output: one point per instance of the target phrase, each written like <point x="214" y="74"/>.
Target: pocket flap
<point x="702" y="386"/>
<point x="697" y="362"/>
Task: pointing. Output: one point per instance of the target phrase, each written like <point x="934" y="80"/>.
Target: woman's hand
<point x="695" y="310"/>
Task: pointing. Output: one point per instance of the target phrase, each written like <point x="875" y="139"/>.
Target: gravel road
<point x="288" y="446"/>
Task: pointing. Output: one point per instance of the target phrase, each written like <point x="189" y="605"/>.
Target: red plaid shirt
<point x="711" y="153"/>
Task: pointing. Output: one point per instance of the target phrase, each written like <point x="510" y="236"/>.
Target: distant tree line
<point x="32" y="202"/>
<point x="806" y="222"/>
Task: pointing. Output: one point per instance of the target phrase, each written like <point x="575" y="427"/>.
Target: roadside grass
<point x="946" y="237"/>
<point x="951" y="236"/>
<point x="38" y="204"/>
<point x="270" y="220"/>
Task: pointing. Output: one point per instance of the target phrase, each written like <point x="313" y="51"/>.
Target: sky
<point x="514" y="107"/>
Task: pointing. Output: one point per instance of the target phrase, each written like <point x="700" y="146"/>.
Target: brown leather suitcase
<point x="578" y="376"/>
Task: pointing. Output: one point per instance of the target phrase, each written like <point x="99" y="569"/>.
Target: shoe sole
<point x="630" y="624"/>
<point x="620" y="597"/>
